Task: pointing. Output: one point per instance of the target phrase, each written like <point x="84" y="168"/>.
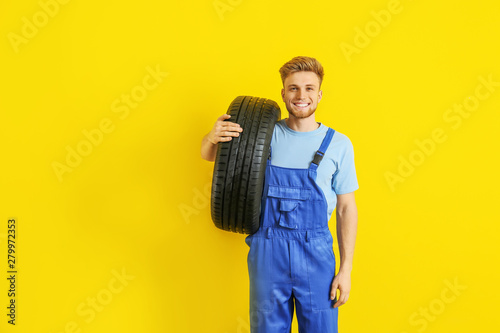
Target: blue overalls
<point x="291" y="255"/>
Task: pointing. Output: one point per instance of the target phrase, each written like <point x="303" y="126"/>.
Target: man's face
<point x="301" y="94"/>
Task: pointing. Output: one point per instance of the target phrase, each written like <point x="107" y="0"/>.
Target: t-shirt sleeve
<point x="344" y="179"/>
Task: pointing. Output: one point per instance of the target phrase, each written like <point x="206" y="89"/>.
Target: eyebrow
<point x="307" y="85"/>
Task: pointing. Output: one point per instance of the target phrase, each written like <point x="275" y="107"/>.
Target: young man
<point x="310" y="172"/>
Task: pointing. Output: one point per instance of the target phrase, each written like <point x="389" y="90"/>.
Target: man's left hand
<point x="342" y="282"/>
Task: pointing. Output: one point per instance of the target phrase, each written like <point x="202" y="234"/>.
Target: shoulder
<point x="340" y="145"/>
<point x="340" y="140"/>
<point x="280" y="126"/>
<point x="279" y="132"/>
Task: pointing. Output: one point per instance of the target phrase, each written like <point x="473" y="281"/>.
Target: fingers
<point x="224" y="131"/>
<point x="343" y="296"/>
<point x="230" y="133"/>
<point x="221" y="124"/>
<point x="224" y="117"/>
<point x="230" y="127"/>
<point x="333" y="291"/>
<point x="227" y="129"/>
<point x="225" y="139"/>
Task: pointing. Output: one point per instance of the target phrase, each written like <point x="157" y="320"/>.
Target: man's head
<point x="302" y="78"/>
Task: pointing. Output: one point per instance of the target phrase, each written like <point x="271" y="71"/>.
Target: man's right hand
<point x="222" y="131"/>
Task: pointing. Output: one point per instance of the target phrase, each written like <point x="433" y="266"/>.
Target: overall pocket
<point x="285" y="204"/>
<point x="321" y="271"/>
<point x="261" y="275"/>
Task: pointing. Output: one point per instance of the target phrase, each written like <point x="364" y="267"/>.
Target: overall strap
<point x="322" y="149"/>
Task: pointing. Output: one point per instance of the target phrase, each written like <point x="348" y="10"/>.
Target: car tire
<point x="240" y="165"/>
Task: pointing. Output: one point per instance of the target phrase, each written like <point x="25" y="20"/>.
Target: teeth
<point x="302" y="105"/>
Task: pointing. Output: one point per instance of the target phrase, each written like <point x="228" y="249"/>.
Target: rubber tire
<point x="240" y="165"/>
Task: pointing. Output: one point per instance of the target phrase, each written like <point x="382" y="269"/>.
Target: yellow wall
<point x="102" y="244"/>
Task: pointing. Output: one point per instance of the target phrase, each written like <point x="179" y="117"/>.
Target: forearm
<point x="347" y="223"/>
<point x="208" y="149"/>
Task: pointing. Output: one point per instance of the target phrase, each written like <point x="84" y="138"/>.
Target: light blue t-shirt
<point x="336" y="173"/>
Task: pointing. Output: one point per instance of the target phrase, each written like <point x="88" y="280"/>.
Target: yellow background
<point x="121" y="209"/>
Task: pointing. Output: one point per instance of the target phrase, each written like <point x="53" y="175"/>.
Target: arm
<point x="347" y="222"/>
<point x="222" y="131"/>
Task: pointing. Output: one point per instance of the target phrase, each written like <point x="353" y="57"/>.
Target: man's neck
<point x="302" y="124"/>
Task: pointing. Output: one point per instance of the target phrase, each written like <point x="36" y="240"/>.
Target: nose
<point x="301" y="94"/>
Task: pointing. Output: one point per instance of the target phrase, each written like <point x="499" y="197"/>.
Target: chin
<point x="301" y="114"/>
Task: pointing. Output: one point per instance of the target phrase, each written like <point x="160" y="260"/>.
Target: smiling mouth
<point x="301" y="105"/>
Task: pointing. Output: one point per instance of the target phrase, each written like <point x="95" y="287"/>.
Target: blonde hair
<point x="302" y="64"/>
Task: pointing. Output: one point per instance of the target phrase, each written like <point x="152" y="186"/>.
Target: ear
<point x="283" y="94"/>
<point x="320" y="95"/>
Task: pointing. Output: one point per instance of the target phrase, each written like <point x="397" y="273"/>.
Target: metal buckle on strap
<point x="318" y="157"/>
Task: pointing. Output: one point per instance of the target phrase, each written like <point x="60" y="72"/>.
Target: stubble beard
<point x="301" y="115"/>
